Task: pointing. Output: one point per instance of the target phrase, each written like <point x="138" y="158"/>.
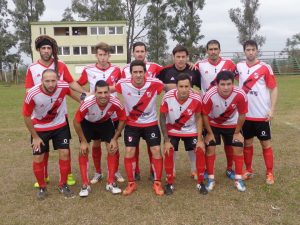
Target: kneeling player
<point x="180" y="118"/>
<point x="44" y="115"/>
<point x="93" y="122"/>
<point x="224" y="109"/>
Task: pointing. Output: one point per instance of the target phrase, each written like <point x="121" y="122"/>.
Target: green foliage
<point x="26" y="11"/>
<point x="157" y="27"/>
<point x="184" y="23"/>
<point x="67" y="15"/>
<point x="292" y="46"/>
<point x="247" y="22"/>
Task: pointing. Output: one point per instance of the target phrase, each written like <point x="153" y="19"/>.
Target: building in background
<point x="76" y="41"/>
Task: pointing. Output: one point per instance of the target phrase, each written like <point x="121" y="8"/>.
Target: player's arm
<point x="84" y="146"/>
<point x="210" y="135"/>
<point x="74" y="95"/>
<point x="168" y="87"/>
<point x="76" y="87"/>
<point x="36" y="140"/>
<point x="237" y="136"/>
<point x="274" y="97"/>
<point x="167" y="143"/>
<point x="114" y="141"/>
<point x="199" y="124"/>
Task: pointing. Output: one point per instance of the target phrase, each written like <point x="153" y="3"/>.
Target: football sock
<point x="96" y="154"/>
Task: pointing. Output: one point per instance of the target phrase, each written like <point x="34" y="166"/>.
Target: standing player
<point x="139" y="52"/>
<point x="47" y="48"/>
<point x="101" y="70"/>
<point x="93" y="122"/>
<point x="180" y="118"/>
<point x="224" y="110"/>
<point x="209" y="68"/>
<point x="140" y="96"/>
<point x="258" y="81"/>
<point x="44" y="112"/>
<point x="168" y="76"/>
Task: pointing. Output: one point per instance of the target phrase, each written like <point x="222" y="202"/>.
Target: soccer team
<point x="221" y="111"/>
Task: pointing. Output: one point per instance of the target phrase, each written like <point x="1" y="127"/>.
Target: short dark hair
<point x="102" y="46"/>
<point x="251" y="43"/>
<point x="183" y="76"/>
<point x="137" y="63"/>
<point x="101" y="83"/>
<point x="213" y="42"/>
<point x="180" y="48"/>
<point x="49" y="71"/>
<point x="139" y="43"/>
<point x="225" y="75"/>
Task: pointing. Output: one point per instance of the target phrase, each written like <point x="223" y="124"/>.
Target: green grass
<point x="261" y="204"/>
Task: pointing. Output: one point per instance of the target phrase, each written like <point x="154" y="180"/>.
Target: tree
<point x="293" y="45"/>
<point x="247" y="22"/>
<point x="25" y="12"/>
<point x="96" y="10"/>
<point x="185" y="24"/>
<point x="67" y="15"/>
<point x="7" y="39"/>
<point x="157" y="27"/>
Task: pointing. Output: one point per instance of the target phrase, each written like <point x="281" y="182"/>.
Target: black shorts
<point x="150" y="134"/>
<point x="226" y="133"/>
<point x="189" y="142"/>
<point x="116" y="124"/>
<point x="98" y="131"/>
<point x="60" y="139"/>
<point x="260" y="129"/>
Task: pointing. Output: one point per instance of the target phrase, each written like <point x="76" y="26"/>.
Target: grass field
<point x="260" y="204"/>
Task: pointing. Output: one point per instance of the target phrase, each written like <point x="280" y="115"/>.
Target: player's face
<point x="45" y="53"/>
<point x="138" y="75"/>
<point x="225" y="87"/>
<point x="139" y="53"/>
<point x="213" y="52"/>
<point x="183" y="87"/>
<point x="250" y="53"/>
<point x="102" y="95"/>
<point x="180" y="60"/>
<point x="49" y="82"/>
<point x="102" y="57"/>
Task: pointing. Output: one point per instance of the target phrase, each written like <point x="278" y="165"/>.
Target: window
<point x="80" y="50"/>
<point x="61" y="31"/>
<point x="119" y="30"/>
<point x="63" y="50"/>
<point x="117" y="50"/>
<point x="79" y="31"/>
<point x="111" y="30"/>
<point x="93" y="49"/>
<point x="97" y="30"/>
<point x="44" y="30"/>
<point x="115" y="30"/>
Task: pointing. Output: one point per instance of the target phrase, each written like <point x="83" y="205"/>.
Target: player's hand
<point x="84" y="148"/>
<point x="167" y="147"/>
<point x="238" y="137"/>
<point x="200" y="144"/>
<point x="270" y="115"/>
<point x="208" y="138"/>
<point x="195" y="91"/>
<point x="192" y="66"/>
<point x="113" y="146"/>
<point x="36" y="144"/>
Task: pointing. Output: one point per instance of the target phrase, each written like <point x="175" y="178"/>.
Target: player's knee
<point x="266" y="144"/>
<point x="38" y="158"/>
<point x="64" y="154"/>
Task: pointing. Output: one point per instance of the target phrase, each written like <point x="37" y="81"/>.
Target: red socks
<point x="46" y="159"/>
<point x="200" y="164"/>
<point x="96" y="154"/>
<point x="64" y="168"/>
<point x="210" y="164"/>
<point x="150" y="158"/>
<point x="38" y="170"/>
<point x="111" y="165"/>
<point x="130" y="164"/>
<point x="269" y="159"/>
<point x="137" y="156"/>
<point x="169" y="166"/>
<point x="229" y="156"/>
<point x="248" y="156"/>
<point x="157" y="166"/>
<point x="239" y="161"/>
<point x="83" y="166"/>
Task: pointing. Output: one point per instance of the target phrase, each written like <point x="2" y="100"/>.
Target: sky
<point x="279" y="21"/>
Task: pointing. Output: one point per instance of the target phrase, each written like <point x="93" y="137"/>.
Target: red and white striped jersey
<point x="180" y="116"/>
<point x="224" y="112"/>
<point x="140" y="102"/>
<point x="47" y="111"/>
<point x="92" y="73"/>
<point x="153" y="70"/>
<point x="35" y="70"/>
<point x="209" y="71"/>
<point x="256" y="81"/>
<point x="93" y="112"/>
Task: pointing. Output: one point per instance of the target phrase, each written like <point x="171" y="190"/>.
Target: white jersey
<point x="209" y="71"/>
<point x="180" y="116"/>
<point x="223" y="112"/>
<point x="152" y="69"/>
<point x="140" y="103"/>
<point x="256" y="81"/>
<point x="47" y="111"/>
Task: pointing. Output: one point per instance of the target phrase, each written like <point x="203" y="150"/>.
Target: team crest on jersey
<point x="60" y="100"/>
<point x="130" y="139"/>
<point x="94" y="77"/>
<point x="194" y="141"/>
<point x="109" y="113"/>
<point x="190" y="112"/>
<point x="148" y="94"/>
<point x="256" y="75"/>
<point x="233" y="106"/>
